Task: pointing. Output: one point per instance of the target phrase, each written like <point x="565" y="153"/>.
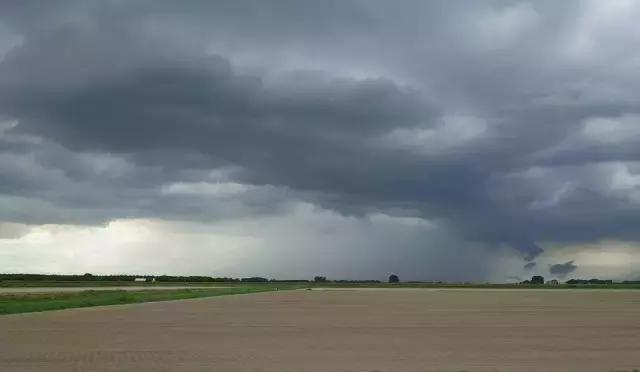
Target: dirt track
<point x="386" y="330"/>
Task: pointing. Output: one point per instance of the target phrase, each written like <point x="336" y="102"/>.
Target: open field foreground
<point x="329" y="330"/>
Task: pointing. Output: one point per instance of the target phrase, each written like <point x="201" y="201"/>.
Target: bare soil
<point x="331" y="330"/>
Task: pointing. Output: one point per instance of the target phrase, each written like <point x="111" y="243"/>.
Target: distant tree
<point x="356" y="281"/>
<point x="393" y="278"/>
<point x="320" y="279"/>
<point x="255" y="279"/>
<point x="593" y="281"/>
<point x="537" y="279"/>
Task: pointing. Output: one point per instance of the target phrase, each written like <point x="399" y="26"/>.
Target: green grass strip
<point x="35" y="302"/>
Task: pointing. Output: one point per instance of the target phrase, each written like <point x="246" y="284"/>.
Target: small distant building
<point x="140" y="280"/>
<point x="553" y="282"/>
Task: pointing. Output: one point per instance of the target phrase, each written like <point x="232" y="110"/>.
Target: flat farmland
<point x="337" y="330"/>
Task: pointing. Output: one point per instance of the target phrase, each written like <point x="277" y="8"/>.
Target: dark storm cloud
<point x="530" y="265"/>
<point x="562" y="269"/>
<point x="358" y="107"/>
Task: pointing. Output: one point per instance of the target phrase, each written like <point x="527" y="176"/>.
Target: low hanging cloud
<point x="561" y="270"/>
<point x="12" y="230"/>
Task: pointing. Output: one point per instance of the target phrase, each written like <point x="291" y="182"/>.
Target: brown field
<point x="337" y="330"/>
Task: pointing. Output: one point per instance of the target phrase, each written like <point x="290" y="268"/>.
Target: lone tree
<point x="537" y="279"/>
<point x="393" y="278"/>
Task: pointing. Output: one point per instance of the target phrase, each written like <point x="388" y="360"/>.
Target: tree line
<point x="164" y="278"/>
<point x="536" y="279"/>
<point x="113" y="278"/>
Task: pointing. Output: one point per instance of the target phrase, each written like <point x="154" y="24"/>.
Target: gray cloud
<point x="562" y="269"/>
<point x="530" y="265"/>
<point x="488" y="127"/>
<point x="12" y="230"/>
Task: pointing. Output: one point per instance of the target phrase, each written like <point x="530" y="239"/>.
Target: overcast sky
<point x="451" y="140"/>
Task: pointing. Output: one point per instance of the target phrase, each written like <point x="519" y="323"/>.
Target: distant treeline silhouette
<point x="600" y="281"/>
<point x="160" y="278"/>
<point x="589" y="281"/>
<point x="171" y="278"/>
<point x="255" y="279"/>
<point x="112" y="278"/>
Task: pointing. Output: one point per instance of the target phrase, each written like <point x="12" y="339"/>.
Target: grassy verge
<point x="34" y="302"/>
<point x="56" y="283"/>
